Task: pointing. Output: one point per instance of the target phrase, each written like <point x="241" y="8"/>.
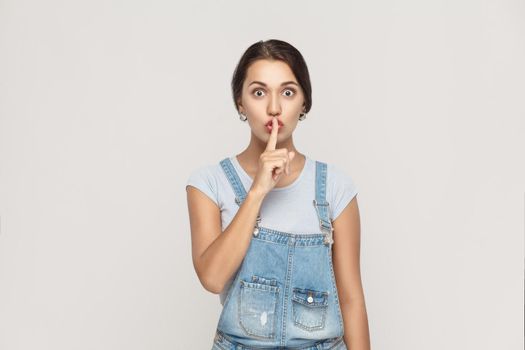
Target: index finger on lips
<point x="272" y="141"/>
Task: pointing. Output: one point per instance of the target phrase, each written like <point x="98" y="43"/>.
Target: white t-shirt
<point x="289" y="209"/>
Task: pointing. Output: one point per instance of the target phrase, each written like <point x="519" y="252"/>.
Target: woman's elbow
<point x="210" y="283"/>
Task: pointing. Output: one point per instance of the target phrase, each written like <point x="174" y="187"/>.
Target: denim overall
<point x="284" y="294"/>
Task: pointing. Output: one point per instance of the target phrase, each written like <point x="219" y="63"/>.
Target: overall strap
<point x="320" y="203"/>
<point x="234" y="180"/>
<point x="238" y="188"/>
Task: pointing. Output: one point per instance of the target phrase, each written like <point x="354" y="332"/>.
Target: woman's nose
<point x="274" y="106"/>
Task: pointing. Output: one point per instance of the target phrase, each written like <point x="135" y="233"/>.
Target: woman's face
<point x="270" y="89"/>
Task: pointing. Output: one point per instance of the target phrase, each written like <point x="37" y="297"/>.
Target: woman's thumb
<point x="291" y="155"/>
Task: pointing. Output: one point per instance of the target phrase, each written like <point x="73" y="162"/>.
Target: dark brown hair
<point x="277" y="50"/>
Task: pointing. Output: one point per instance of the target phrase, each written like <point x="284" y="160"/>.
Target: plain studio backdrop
<point x="107" y="106"/>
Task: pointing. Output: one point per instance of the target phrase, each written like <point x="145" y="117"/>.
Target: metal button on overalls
<point x="310" y="299"/>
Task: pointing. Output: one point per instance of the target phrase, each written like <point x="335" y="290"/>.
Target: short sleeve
<point x="341" y="190"/>
<point x="202" y="178"/>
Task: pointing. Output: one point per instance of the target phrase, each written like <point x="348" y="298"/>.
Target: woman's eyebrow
<point x="282" y="84"/>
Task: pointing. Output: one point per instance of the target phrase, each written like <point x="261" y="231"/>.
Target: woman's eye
<point x="293" y="92"/>
<point x="260" y="93"/>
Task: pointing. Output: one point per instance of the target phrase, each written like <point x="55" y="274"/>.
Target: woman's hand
<point x="272" y="163"/>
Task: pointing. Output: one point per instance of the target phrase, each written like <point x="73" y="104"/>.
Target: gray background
<point x="106" y="107"/>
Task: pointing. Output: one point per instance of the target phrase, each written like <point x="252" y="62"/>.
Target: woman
<point x="274" y="232"/>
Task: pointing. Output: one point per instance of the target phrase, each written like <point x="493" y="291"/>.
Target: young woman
<point x="274" y="232"/>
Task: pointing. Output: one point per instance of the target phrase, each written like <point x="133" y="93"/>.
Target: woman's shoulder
<point x="205" y="178"/>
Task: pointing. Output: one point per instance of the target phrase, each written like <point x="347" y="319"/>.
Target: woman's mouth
<point x="269" y="126"/>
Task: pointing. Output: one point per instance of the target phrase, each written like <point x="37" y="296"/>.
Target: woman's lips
<point x="269" y="126"/>
<point x="271" y="121"/>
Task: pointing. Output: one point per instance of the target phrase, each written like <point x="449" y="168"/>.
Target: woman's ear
<point x="239" y="106"/>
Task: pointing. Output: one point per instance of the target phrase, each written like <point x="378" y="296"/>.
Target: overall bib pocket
<point x="258" y="306"/>
<point x="309" y="308"/>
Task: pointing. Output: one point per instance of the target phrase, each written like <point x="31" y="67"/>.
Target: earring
<point x="242" y="117"/>
<point x="302" y="116"/>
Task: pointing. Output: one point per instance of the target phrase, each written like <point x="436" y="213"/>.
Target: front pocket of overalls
<point x="309" y="308"/>
<point x="258" y="306"/>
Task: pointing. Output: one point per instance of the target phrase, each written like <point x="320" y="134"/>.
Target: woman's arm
<point x="346" y="260"/>
<point x="216" y="256"/>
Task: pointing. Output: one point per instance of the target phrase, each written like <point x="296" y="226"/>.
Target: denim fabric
<point x="223" y="342"/>
<point x="284" y="294"/>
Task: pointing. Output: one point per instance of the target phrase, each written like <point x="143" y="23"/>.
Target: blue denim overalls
<point x="284" y="294"/>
